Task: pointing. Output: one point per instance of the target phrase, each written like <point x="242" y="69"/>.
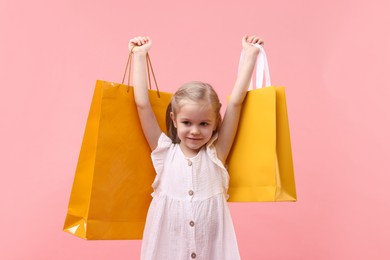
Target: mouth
<point x="194" y="139"/>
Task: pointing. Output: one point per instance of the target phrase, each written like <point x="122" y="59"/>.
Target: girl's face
<point x="195" y="123"/>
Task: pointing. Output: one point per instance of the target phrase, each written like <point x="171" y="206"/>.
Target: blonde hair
<point x="195" y="91"/>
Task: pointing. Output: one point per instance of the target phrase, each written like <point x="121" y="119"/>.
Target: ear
<point x="172" y="116"/>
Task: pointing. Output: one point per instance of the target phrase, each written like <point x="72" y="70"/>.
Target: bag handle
<point x="149" y="68"/>
<point x="262" y="69"/>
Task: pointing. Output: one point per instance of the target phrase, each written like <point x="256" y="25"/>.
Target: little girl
<point x="188" y="217"/>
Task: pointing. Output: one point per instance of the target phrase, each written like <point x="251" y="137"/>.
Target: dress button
<point x="193" y="255"/>
<point x="192" y="223"/>
<point x="189" y="163"/>
<point x="190" y="192"/>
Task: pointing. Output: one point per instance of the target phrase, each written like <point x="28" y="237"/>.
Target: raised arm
<point x="140" y="47"/>
<point x="232" y="115"/>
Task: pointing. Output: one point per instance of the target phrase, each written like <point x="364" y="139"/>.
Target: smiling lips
<point x="194" y="139"/>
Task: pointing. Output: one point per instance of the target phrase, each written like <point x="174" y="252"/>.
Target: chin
<point x="194" y="146"/>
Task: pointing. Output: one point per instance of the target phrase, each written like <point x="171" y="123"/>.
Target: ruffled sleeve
<point x="212" y="153"/>
<point x="158" y="154"/>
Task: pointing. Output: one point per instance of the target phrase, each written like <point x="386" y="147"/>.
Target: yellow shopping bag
<point x="260" y="162"/>
<point x="112" y="185"/>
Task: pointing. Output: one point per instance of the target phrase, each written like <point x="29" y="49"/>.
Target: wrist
<point x="140" y="53"/>
<point x="252" y="51"/>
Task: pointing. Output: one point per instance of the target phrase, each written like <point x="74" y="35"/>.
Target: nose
<point x="194" y="130"/>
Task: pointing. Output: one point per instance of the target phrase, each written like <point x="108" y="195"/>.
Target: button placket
<point x="191" y="222"/>
<point x="190" y="179"/>
<point x="191" y="232"/>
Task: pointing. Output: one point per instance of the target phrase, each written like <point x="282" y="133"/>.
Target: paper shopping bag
<point x="112" y="184"/>
<point x="260" y="163"/>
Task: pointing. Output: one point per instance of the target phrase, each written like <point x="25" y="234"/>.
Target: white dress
<point x="188" y="217"/>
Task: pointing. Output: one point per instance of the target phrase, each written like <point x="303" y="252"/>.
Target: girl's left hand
<point x="140" y="44"/>
<point x="247" y="42"/>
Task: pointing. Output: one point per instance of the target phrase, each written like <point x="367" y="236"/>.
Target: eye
<point x="187" y="123"/>
<point x="204" y="124"/>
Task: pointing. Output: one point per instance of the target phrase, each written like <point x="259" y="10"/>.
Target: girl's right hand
<point x="248" y="41"/>
<point x="140" y="44"/>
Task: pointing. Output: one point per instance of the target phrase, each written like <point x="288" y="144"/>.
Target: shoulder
<point x="211" y="148"/>
<point x="158" y="155"/>
<point x="212" y="151"/>
<point x="213" y="156"/>
<point x="163" y="142"/>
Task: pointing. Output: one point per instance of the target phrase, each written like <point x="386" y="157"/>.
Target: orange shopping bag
<point x="112" y="185"/>
<point x="260" y="163"/>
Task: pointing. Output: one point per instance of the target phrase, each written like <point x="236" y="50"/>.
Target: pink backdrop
<point x="332" y="56"/>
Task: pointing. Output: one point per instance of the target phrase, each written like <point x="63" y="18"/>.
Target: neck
<point x="189" y="152"/>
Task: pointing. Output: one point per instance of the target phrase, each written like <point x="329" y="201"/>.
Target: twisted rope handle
<point x="149" y="69"/>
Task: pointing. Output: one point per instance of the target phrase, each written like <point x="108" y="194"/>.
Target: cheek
<point x="181" y="129"/>
<point x="208" y="131"/>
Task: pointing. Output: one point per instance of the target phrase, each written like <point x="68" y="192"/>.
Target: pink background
<point x="332" y="56"/>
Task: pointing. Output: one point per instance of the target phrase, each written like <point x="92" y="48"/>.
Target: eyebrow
<point x="187" y="119"/>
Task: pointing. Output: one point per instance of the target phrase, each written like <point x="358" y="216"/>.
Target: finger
<point x="139" y="39"/>
<point x="258" y="40"/>
<point x="136" y="41"/>
<point x="149" y="40"/>
<point x="244" y="40"/>
<point x="251" y="38"/>
<point x="132" y="43"/>
<point x="255" y="39"/>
